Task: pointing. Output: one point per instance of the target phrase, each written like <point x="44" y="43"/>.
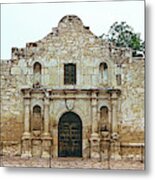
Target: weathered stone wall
<point x="131" y="112"/>
<point x="11" y="103"/>
<point x="72" y="42"/>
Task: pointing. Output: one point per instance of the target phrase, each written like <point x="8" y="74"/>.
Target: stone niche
<point x="36" y="139"/>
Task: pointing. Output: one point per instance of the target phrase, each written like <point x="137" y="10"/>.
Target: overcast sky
<point x="22" y="23"/>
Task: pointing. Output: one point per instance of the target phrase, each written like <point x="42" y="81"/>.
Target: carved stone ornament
<point x="70" y="104"/>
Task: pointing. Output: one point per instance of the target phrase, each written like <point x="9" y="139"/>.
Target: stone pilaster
<point x="114" y="141"/>
<point x="26" y="138"/>
<point x="26" y="117"/>
<point x="94" y="113"/>
<point x="114" y="95"/>
<point x="46" y="139"/>
<point x="114" y="116"/>
<point x="94" y="139"/>
<point x="46" y="117"/>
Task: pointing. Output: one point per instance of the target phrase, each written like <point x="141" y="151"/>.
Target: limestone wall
<point x="72" y="42"/>
<point x="131" y="110"/>
<point x="11" y="104"/>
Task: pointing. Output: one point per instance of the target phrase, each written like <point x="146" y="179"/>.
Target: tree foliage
<point x="123" y="35"/>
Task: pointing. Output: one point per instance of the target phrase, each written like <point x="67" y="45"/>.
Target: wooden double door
<point x="70" y="135"/>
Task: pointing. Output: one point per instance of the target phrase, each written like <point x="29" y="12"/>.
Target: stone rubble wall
<point x="131" y="112"/>
<point x="11" y="104"/>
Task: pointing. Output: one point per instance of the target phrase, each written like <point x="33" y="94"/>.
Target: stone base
<point x="26" y="147"/>
<point x="95" y="155"/>
<point x="95" y="146"/>
<point x="115" y="156"/>
<point x="26" y="155"/>
<point x="115" y="150"/>
<point x="45" y="155"/>
<point x="105" y="149"/>
<point x="46" y="146"/>
<point x="36" y="147"/>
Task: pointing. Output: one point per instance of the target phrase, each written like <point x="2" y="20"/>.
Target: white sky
<point x="22" y="23"/>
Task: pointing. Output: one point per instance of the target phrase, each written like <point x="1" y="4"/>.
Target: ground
<point x="71" y="163"/>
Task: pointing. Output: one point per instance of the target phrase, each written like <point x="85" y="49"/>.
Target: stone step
<point x="68" y="159"/>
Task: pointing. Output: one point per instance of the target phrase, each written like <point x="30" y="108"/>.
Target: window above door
<point x="70" y="74"/>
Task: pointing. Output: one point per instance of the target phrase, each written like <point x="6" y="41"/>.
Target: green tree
<point x="123" y="35"/>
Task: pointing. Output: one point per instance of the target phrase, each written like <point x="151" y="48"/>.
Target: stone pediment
<point x="69" y="37"/>
<point x="70" y="23"/>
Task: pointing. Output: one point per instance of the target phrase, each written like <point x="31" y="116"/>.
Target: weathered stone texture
<point x="132" y="102"/>
<point x="71" y="42"/>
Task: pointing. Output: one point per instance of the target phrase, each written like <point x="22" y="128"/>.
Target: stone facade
<point x="108" y="95"/>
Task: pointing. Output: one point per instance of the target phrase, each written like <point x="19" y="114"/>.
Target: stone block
<point x="15" y="71"/>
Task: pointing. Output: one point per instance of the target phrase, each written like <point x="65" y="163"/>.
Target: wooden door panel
<point x="70" y="136"/>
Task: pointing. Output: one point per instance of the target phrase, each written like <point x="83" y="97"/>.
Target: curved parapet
<point x="70" y="22"/>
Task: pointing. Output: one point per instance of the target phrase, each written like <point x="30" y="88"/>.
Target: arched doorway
<point x="70" y="135"/>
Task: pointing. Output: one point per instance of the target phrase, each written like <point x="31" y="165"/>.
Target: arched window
<point x="37" y="74"/>
<point x="104" y="123"/>
<point x="36" y="120"/>
<point x="103" y="68"/>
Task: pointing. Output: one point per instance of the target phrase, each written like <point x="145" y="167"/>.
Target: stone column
<point x="94" y="113"/>
<point x="46" y="117"/>
<point x="46" y="139"/>
<point x="115" y="143"/>
<point x="26" y="117"/>
<point x="94" y="139"/>
<point x="114" y="116"/>
<point x="26" y="138"/>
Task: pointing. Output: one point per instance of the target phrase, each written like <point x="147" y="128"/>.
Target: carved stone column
<point x="115" y="143"/>
<point x="114" y="95"/>
<point x="26" y="138"/>
<point x="26" y="117"/>
<point x="46" y="139"/>
<point x="46" y="117"/>
<point x="114" y="113"/>
<point x="94" y="139"/>
<point x="94" y="113"/>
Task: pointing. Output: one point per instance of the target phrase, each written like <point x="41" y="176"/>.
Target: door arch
<point x="70" y="135"/>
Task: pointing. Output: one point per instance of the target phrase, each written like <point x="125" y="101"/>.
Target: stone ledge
<point x="132" y="144"/>
<point x="10" y="142"/>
